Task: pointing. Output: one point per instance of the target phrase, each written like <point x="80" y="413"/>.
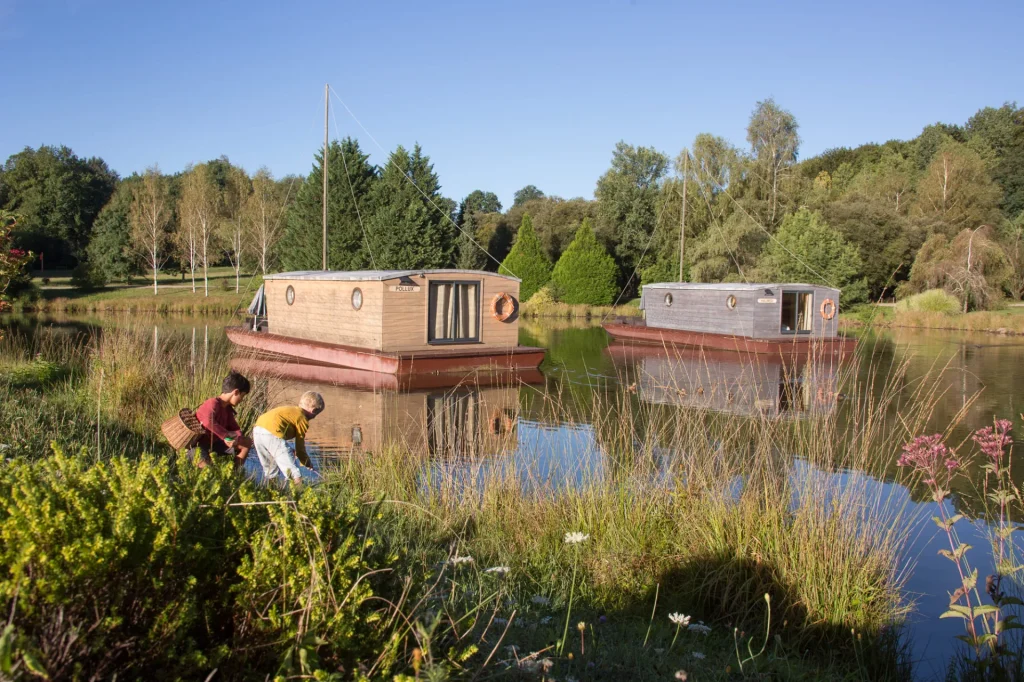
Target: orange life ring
<point x="828" y="309"/>
<point x="501" y="422"/>
<point x="507" y="308"/>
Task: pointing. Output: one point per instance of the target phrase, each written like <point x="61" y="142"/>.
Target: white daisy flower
<point x="679" y="619"/>
<point x="681" y="675"/>
<point x="576" y="538"/>
<point x="457" y="560"/>
<point x="501" y="570"/>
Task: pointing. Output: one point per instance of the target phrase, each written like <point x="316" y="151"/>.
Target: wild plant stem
<point x="568" y="613"/>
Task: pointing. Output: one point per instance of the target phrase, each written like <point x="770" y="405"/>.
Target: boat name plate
<point x="767" y="300"/>
<point x="404" y="288"/>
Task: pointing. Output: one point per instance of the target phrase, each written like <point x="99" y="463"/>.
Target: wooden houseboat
<point x="391" y="321"/>
<point x="756" y="318"/>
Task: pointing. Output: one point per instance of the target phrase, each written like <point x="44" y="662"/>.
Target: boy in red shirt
<point x="217" y="415"/>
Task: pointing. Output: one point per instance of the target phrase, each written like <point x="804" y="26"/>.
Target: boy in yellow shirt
<point x="282" y="424"/>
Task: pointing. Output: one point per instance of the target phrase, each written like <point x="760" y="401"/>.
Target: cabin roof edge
<point x="375" y="275"/>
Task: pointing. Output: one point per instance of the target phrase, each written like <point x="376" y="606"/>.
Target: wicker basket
<point x="184" y="430"/>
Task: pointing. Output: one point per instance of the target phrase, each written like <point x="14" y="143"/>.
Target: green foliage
<point x="477" y="201"/>
<point x="972" y="266"/>
<point x="12" y="261"/>
<point x="1002" y="132"/>
<point x="884" y="239"/>
<point x="528" y="193"/>
<point x="410" y="226"/>
<point x="301" y="245"/>
<point x="806" y="249"/>
<point x="627" y="197"/>
<point x="58" y="196"/>
<point x="586" y="273"/>
<point x="124" y="567"/>
<point x="555" y="220"/>
<point x="110" y="252"/>
<point x="955" y="191"/>
<point x="527" y="261"/>
<point x="930" y="301"/>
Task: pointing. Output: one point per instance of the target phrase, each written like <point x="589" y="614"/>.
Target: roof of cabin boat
<point x="733" y="286"/>
<point x="375" y="275"/>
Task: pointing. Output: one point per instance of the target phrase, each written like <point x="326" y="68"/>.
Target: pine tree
<point x="411" y="224"/>
<point x="527" y="260"/>
<point x="586" y="273"/>
<point x="301" y="245"/>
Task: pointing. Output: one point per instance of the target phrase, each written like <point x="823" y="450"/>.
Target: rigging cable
<point x="405" y="174"/>
<point x="351" y="192"/>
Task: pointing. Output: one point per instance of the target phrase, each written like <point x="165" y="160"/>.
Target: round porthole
<point x="289" y="294"/>
<point x="730" y="302"/>
<point x="668" y="300"/>
<point x="357" y="298"/>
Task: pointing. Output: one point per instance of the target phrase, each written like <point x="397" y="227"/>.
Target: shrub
<point x="128" y="568"/>
<point x="931" y="301"/>
<point x="86" y="277"/>
<point x="586" y="274"/>
<point x="527" y="260"/>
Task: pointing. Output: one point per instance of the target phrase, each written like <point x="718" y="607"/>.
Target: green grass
<point x="683" y="538"/>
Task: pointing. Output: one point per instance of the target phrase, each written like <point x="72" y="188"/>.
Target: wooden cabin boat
<point x="755" y="318"/>
<point x="392" y="321"/>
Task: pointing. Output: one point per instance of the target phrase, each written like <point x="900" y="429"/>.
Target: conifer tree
<point x="527" y="260"/>
<point x="301" y="245"/>
<point x="585" y="273"/>
<point x="411" y="225"/>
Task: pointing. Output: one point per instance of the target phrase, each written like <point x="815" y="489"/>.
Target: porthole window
<point x="668" y="300"/>
<point x="730" y="302"/>
<point x="289" y="294"/>
<point x="357" y="298"/>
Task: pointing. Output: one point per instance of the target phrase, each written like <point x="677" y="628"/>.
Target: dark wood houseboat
<point x="755" y="318"/>
<point x="391" y="321"/>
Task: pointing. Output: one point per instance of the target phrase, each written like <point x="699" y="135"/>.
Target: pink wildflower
<point x="927" y="454"/>
<point x="994" y="440"/>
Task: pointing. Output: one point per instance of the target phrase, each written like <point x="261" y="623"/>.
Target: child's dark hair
<point x="234" y="381"/>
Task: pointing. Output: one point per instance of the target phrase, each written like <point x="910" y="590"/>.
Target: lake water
<point x="979" y="376"/>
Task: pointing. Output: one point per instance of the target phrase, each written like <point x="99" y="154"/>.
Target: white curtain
<point x="456" y="311"/>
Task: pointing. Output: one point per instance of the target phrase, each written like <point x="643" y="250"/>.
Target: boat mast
<point x="327" y="101"/>
<point x="682" y="220"/>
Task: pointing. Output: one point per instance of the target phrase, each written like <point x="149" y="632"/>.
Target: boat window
<point x="668" y="300"/>
<point x="454" y="315"/>
<point x="796" y="312"/>
<point x="730" y="302"/>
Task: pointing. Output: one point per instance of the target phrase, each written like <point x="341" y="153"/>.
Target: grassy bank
<point x="1008" y="321"/>
<point x="439" y="569"/>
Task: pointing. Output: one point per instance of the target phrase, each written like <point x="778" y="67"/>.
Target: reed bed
<point x="185" y="304"/>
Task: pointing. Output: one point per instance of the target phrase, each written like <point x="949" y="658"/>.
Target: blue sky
<point x="500" y="95"/>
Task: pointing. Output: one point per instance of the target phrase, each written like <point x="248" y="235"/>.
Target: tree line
<point x="943" y="210"/>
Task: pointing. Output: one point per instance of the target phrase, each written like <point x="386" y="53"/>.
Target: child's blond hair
<point x="312" y="401"/>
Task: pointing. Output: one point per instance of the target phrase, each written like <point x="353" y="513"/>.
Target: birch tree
<point x="236" y="196"/>
<point x="263" y="218"/>
<point x="150" y="215"/>
<point x="186" y="238"/>
<point x="198" y="206"/>
<point x="772" y="134"/>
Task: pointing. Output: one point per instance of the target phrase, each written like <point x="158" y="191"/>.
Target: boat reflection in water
<point x="731" y="382"/>
<point x="433" y="416"/>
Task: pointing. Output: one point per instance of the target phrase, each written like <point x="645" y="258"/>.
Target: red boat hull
<point x="640" y="333"/>
<point x="440" y="360"/>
